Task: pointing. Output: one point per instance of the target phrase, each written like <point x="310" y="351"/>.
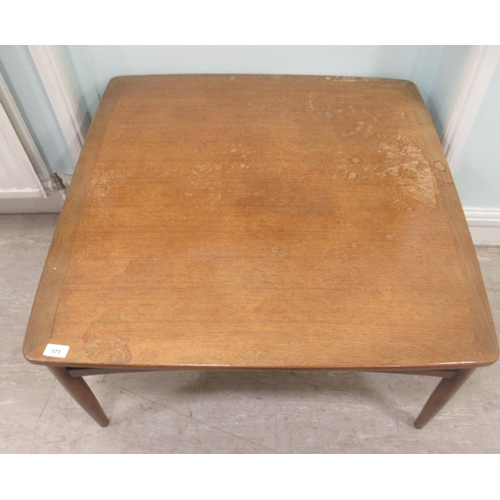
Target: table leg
<point x="81" y="393"/>
<point x="441" y="395"/>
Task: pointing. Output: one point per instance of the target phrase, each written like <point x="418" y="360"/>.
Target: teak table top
<point x="262" y="222"/>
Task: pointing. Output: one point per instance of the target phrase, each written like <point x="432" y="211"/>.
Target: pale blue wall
<point x="79" y="73"/>
<point x="18" y="69"/>
<point x="447" y="78"/>
<point x="94" y="66"/>
<point x="477" y="175"/>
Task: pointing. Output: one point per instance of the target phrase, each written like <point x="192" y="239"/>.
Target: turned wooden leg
<point x="81" y="393"/>
<point x="441" y="395"/>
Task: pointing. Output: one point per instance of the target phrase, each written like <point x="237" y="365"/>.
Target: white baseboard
<point x="51" y="204"/>
<point x="484" y="226"/>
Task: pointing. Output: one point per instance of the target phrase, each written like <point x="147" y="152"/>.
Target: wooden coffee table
<point x="261" y="222"/>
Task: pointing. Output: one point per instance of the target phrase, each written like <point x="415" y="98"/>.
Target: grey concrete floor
<point x="224" y="412"/>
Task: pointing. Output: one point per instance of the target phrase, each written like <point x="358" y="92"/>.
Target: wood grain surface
<point x="262" y="222"/>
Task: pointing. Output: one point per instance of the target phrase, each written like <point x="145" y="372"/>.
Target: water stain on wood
<point x="108" y="341"/>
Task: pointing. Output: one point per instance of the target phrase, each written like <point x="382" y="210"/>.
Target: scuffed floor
<point x="225" y="412"/>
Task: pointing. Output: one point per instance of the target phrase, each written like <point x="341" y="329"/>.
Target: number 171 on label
<point x="56" y="350"/>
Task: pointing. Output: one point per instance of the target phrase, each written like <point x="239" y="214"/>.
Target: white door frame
<point x="53" y="74"/>
<point x="476" y="78"/>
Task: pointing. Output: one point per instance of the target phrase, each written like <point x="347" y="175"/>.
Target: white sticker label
<point x="56" y="351"/>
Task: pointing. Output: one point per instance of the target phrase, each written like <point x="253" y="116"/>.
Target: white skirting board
<point x="52" y="203"/>
<point x="484" y="226"/>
